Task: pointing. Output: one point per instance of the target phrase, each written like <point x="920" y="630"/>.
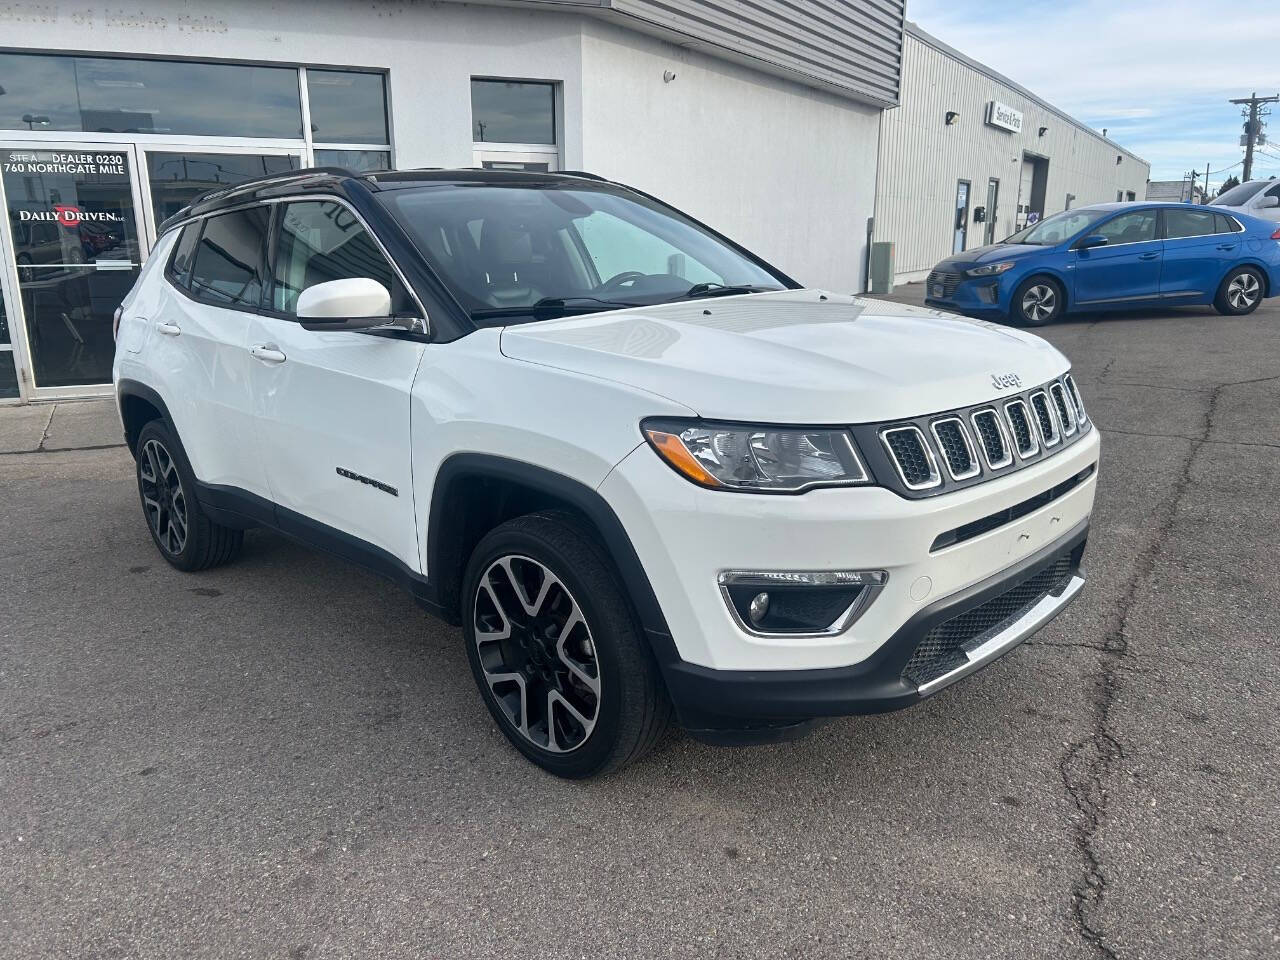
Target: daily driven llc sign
<point x="1004" y="117"/>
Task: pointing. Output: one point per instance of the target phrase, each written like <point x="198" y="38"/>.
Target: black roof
<point x="329" y="179"/>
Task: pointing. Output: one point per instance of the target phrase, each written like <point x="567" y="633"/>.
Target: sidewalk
<point x="67" y="425"/>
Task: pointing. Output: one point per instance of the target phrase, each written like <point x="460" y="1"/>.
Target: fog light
<point x="799" y="603"/>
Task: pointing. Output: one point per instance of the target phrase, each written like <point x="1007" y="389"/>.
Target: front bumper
<point x="747" y="706"/>
<point x="972" y="296"/>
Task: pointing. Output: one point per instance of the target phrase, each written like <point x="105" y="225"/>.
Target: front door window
<point x="74" y="232"/>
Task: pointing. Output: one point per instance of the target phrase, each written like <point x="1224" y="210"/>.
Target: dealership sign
<point x="69" y="216"/>
<point x="1004" y="117"/>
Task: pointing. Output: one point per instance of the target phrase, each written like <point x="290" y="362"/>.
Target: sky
<point x="1157" y="75"/>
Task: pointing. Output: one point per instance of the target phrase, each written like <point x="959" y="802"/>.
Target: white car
<point x="1253" y="198"/>
<point x="642" y="468"/>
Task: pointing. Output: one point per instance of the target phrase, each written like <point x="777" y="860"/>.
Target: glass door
<point x="961" y="228"/>
<point x="993" y="196"/>
<point x="73" y="247"/>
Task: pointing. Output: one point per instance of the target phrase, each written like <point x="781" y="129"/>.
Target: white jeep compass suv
<point x="642" y="468"/>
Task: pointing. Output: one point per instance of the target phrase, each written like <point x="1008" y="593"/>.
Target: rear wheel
<point x="182" y="532"/>
<point x="1037" y="301"/>
<point x="557" y="654"/>
<point x="1240" y="292"/>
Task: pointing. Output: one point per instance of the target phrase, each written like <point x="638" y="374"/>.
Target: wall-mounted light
<point x="952" y="117"/>
<point x="1043" y="131"/>
<point x="1118" y="159"/>
<point x="668" y="76"/>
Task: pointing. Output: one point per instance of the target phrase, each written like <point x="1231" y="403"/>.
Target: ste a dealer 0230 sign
<point x="1004" y="117"/>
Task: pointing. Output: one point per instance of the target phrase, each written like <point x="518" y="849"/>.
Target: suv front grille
<point x="945" y="279"/>
<point x="912" y="458"/>
<point x="926" y="456"/>
<point x="943" y="648"/>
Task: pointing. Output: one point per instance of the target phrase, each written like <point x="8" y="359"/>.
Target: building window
<point x="513" y="124"/>
<point x="347" y="106"/>
<point x="359" y="160"/>
<point x="118" y="95"/>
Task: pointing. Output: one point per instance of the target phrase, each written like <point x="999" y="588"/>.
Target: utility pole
<point x="1206" y="183"/>
<point x="1252" y="126"/>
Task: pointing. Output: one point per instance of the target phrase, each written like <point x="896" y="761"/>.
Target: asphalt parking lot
<point x="287" y="758"/>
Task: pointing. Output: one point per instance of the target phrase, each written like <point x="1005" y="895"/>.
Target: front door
<point x="73" y="245"/>
<point x="332" y="407"/>
<point x="1127" y="268"/>
<point x="961" y="226"/>
<point x="993" y="197"/>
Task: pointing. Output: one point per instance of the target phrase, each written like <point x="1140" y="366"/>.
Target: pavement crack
<point x="1086" y="765"/>
<point x="44" y="436"/>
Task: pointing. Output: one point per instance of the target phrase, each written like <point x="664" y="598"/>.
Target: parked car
<point x="1253" y="198"/>
<point x="1113" y="255"/>
<point x="641" y="467"/>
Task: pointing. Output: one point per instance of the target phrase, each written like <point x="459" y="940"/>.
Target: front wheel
<point x="557" y="654"/>
<point x="1037" y="301"/>
<point x="1240" y="292"/>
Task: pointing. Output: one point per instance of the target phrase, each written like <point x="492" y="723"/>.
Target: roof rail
<point x="584" y="174"/>
<point x="248" y="186"/>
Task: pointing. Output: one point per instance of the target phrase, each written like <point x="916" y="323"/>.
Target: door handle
<point x="1226" y="246"/>
<point x="268" y="353"/>
<point x="1147" y="256"/>
<point x="168" y="329"/>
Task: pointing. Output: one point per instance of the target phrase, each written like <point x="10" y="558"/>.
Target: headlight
<point x="991" y="269"/>
<point x="758" y="459"/>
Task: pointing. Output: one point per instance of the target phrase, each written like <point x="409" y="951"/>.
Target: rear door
<point x="332" y="407"/>
<point x="1127" y="268"/>
<point x="197" y="347"/>
<point x="1197" y="250"/>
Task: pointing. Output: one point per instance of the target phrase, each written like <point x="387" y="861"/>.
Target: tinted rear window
<point x="228" y="263"/>
<point x="1189" y="223"/>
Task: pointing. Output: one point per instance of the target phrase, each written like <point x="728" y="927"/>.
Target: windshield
<point x="1240" y="194"/>
<point x="1053" y="230"/>
<point x="528" y="252"/>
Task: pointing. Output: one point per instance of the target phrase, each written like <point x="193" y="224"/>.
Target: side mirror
<point x="1267" y="202"/>
<point x="1092" y="240"/>
<point x="357" y="303"/>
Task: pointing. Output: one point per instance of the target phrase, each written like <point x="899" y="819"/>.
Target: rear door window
<point x="183" y="253"/>
<point x="227" y="270"/>
<point x="1189" y="223"/>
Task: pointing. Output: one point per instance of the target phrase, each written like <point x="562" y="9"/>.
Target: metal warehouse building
<point x="969" y="156"/>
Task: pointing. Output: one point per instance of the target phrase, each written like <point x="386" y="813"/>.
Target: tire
<point x="566" y="647"/>
<point x="1037" y="302"/>
<point x="1241" y="291"/>
<point x="183" y="534"/>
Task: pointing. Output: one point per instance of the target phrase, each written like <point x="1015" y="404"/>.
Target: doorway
<point x="961" y="227"/>
<point x="993" y="195"/>
<point x="81" y="218"/>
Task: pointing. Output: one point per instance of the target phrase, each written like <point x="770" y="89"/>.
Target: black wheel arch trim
<point x="132" y="388"/>
<point x="593" y="506"/>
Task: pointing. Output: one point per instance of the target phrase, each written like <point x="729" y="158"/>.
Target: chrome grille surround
<point x="950" y="433"/>
<point x="888" y="438"/>
<point x="1019" y="419"/>
<point x="1044" y="418"/>
<point x="990" y="417"/>
<point x="1013" y="432"/>
<point x="1066" y="408"/>
<point x="1081" y="417"/>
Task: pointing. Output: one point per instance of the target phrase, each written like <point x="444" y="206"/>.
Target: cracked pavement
<point x="285" y="757"/>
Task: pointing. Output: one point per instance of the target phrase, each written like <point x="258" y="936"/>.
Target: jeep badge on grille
<point x="1006" y="381"/>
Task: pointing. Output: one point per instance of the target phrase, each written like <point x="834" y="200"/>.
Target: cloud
<point x="1157" y="75"/>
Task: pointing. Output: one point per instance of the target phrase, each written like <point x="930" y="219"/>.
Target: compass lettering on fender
<point x="1006" y="381"/>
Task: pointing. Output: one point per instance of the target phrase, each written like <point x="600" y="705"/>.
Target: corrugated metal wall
<point x="851" y="47"/>
<point x="921" y="158"/>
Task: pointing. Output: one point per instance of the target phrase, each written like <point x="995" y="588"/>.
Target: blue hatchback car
<point x="1114" y="255"/>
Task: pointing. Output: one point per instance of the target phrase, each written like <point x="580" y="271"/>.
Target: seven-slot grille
<point x="978" y="442"/>
<point x="912" y="457"/>
<point x="946" y="280"/>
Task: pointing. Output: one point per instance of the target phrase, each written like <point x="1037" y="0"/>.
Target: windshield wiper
<point x="549" y="307"/>
<point x="720" y="290"/>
